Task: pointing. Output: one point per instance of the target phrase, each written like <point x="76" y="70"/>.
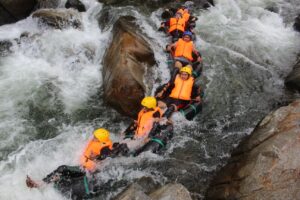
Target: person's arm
<point x="199" y="57"/>
<point x="196" y="92"/>
<point x="104" y="153"/>
<point x="169" y="47"/>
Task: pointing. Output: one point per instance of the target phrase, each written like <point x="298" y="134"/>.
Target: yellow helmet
<point x="102" y="134"/>
<point x="149" y="102"/>
<point x="186" y="69"/>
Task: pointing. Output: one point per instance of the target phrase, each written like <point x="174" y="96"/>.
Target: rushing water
<point x="51" y="94"/>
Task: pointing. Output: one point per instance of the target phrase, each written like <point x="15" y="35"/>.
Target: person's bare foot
<point x="30" y="183"/>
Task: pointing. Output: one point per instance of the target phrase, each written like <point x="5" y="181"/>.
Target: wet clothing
<point x="93" y="150"/>
<point x="184" y="49"/>
<point x="174" y="86"/>
<point x="182" y="88"/>
<point x="176" y="24"/>
<point x="158" y="139"/>
<point x="145" y="122"/>
<point x="176" y="27"/>
<point x="73" y="182"/>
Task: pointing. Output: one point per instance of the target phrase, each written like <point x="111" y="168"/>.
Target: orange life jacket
<point x="186" y="16"/>
<point x="93" y="149"/>
<point x="177" y="24"/>
<point x="184" y="49"/>
<point x="183" y="88"/>
<point x="182" y="11"/>
<point x="145" y="122"/>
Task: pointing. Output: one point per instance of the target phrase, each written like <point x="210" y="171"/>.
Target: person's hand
<point x="198" y="99"/>
<point x="30" y="183"/>
<point x="159" y="95"/>
<point x="199" y="59"/>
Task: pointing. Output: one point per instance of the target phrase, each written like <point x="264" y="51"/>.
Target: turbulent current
<point x="51" y="98"/>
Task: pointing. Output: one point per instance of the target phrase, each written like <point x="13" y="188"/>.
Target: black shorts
<point x="176" y="34"/>
<point x="178" y="102"/>
<point x="183" y="60"/>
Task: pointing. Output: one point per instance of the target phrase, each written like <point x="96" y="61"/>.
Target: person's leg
<point x="64" y="171"/>
<point x="178" y="64"/>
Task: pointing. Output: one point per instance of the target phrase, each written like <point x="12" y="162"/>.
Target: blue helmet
<point x="188" y="33"/>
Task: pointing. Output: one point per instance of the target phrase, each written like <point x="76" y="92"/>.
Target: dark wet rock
<point x="58" y="18"/>
<point x="203" y="3"/>
<point x="13" y="11"/>
<point x="273" y="9"/>
<point x="297" y="23"/>
<point x="148" y="184"/>
<point x="155" y="4"/>
<point x="266" y="164"/>
<point x="133" y="192"/>
<point x="124" y="65"/>
<point x="5" y="47"/>
<point x="105" y="18"/>
<point x="167" y="192"/>
<point x="152" y="4"/>
<point x="171" y="192"/>
<point x="76" y="4"/>
<point x="293" y="79"/>
<point x="47" y="4"/>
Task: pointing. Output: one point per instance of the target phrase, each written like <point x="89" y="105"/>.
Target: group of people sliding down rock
<point x="153" y="127"/>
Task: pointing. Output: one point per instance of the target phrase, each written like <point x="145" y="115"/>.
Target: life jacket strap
<point x="86" y="187"/>
<point x="158" y="141"/>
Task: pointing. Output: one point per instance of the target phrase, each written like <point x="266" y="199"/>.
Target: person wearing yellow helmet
<point x="149" y="114"/>
<point x="100" y="142"/>
<point x="184" y="51"/>
<point x="179" y="92"/>
<point x="73" y="179"/>
<point x="137" y="134"/>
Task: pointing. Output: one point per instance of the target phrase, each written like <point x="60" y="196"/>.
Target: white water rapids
<point x="50" y="82"/>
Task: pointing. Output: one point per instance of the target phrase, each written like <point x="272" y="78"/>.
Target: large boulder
<point x="124" y="65"/>
<point x="293" y="79"/>
<point x="58" y="18"/>
<point x="171" y="191"/>
<point x="267" y="164"/>
<point x="13" y="10"/>
<point x="133" y="192"/>
<point x="297" y="23"/>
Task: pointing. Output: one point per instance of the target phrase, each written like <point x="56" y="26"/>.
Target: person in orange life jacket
<point x="145" y="124"/>
<point x="93" y="151"/>
<point x="183" y="50"/>
<point x="181" y="91"/>
<point x="74" y="178"/>
<point x="190" y="21"/>
<point x="176" y="25"/>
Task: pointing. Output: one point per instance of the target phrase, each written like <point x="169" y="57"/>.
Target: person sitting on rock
<point x="176" y="26"/>
<point x="183" y="50"/>
<point x="74" y="180"/>
<point x="179" y="92"/>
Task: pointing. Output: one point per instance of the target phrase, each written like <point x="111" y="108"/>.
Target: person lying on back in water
<point x="179" y="92"/>
<point x="75" y="180"/>
<point x="136" y="135"/>
<point x="183" y="50"/>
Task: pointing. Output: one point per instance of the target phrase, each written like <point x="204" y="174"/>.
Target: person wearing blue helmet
<point x="183" y="50"/>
